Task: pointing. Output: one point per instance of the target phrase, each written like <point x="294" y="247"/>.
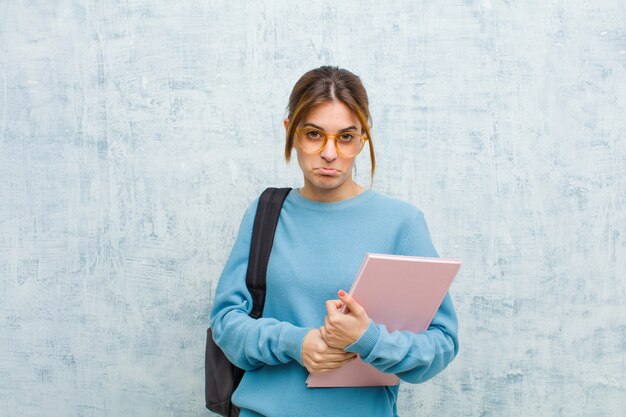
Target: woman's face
<point x="328" y="175"/>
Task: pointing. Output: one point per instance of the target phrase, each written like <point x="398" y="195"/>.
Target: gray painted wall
<point x="133" y="135"/>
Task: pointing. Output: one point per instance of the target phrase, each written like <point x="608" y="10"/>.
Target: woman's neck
<point x="347" y="190"/>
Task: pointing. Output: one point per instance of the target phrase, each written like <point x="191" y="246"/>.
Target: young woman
<point x="324" y="231"/>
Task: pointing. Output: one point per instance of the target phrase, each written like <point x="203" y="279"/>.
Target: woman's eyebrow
<point x="321" y="128"/>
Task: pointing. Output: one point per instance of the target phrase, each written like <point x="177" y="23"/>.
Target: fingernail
<point x="342" y="293"/>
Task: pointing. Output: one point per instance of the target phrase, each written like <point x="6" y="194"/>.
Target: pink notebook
<point x="401" y="292"/>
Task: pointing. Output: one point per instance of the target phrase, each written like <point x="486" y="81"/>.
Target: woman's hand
<point x="317" y="356"/>
<point x="341" y="330"/>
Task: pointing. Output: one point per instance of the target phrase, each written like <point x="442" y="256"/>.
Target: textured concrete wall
<point x="134" y="134"/>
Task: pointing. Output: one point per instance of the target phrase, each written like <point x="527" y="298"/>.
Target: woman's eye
<point x="347" y="137"/>
<point x="313" y="134"/>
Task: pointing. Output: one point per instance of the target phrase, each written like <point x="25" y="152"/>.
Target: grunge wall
<point x="134" y="134"/>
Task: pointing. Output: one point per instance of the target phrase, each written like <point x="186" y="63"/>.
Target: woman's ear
<point x="286" y="124"/>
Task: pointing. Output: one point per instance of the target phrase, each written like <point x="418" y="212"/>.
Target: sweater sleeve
<point x="249" y="343"/>
<point x="413" y="357"/>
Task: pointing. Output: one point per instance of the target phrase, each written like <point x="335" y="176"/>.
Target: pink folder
<point x="401" y="292"/>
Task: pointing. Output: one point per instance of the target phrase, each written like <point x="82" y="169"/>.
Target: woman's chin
<point x="327" y="182"/>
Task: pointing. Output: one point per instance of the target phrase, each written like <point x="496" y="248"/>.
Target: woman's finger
<point x="339" y="364"/>
<point x="338" y="357"/>
<point x="327" y="324"/>
<point x="351" y="303"/>
<point x="333" y="306"/>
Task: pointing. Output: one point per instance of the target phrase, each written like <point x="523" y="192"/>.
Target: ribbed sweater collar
<point x="297" y="198"/>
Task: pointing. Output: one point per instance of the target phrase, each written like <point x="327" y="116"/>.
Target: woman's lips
<point x="327" y="171"/>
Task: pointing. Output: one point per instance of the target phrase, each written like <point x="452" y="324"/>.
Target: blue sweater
<point x="318" y="249"/>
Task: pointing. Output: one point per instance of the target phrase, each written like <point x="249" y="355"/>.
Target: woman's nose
<point x="329" y="152"/>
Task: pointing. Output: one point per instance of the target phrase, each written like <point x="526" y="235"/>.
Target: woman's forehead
<point x="331" y="115"/>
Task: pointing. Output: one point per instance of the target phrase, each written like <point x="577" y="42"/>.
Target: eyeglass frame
<point x="362" y="136"/>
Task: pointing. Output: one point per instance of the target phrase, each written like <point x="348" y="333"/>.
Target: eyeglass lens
<point x="312" y="140"/>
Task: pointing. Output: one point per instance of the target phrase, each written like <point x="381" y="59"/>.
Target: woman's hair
<point x="328" y="84"/>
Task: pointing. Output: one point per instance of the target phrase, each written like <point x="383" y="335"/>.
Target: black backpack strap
<point x="265" y="221"/>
